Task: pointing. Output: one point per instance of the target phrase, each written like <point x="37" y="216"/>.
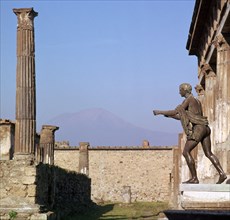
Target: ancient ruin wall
<point x="148" y="172"/>
<point x="27" y="188"/>
<point x="67" y="158"/>
<point x="17" y="187"/>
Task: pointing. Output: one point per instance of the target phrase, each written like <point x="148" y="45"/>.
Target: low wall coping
<point x="118" y="148"/>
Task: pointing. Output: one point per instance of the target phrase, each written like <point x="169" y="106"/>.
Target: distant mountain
<point x="102" y="128"/>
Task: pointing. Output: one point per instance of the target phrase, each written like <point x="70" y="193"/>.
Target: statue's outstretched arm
<point x="170" y="113"/>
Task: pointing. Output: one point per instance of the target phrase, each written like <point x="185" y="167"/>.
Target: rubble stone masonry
<point x="147" y="171"/>
<point x="28" y="189"/>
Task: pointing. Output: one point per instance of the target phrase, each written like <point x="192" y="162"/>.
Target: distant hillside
<point x="103" y="128"/>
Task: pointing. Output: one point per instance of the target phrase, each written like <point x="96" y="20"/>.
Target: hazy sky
<point x="127" y="57"/>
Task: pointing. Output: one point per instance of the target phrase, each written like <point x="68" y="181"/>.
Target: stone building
<point x="208" y="40"/>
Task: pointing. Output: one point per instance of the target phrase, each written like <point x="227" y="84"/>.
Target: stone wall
<point x="67" y="158"/>
<point x="18" y="188"/>
<point x="147" y="171"/>
<point x="61" y="190"/>
<point x="28" y="189"/>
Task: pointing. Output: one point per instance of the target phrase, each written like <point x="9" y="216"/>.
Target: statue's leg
<point x="189" y="146"/>
<point x="206" y="144"/>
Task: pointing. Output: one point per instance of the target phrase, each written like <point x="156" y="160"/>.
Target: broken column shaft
<point x="47" y="142"/>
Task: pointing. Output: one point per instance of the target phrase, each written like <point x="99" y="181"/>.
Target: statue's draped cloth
<point x="189" y="120"/>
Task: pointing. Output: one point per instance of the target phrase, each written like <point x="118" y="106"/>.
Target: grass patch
<point x="121" y="211"/>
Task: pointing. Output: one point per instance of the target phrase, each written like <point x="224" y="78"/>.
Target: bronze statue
<point x="196" y="128"/>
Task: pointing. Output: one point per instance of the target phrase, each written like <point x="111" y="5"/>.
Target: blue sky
<point x="127" y="57"/>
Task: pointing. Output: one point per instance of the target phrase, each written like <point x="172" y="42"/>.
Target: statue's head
<point x="185" y="88"/>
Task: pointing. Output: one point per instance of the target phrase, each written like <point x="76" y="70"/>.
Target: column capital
<point x="25" y="18"/>
<point x="50" y="127"/>
<point x="220" y="43"/>
<point x="83" y="146"/>
<point x="207" y="70"/>
<point x="199" y="89"/>
<point x="47" y="134"/>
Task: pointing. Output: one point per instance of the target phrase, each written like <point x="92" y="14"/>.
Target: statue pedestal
<point x="205" y="196"/>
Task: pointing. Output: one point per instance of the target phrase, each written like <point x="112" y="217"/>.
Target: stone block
<point x="1" y="173"/>
<point x="4" y="217"/>
<point x="18" y="190"/>
<point x="3" y="183"/>
<point x="14" y="173"/>
<point x="28" y="180"/>
<point x="30" y="171"/>
<point x="43" y="216"/>
<point x="39" y="216"/>
<point x="14" y="180"/>
<point x="205" y="187"/>
<point x="31" y="190"/>
<point x="18" y="204"/>
<point x="205" y="196"/>
<point x="3" y="193"/>
<point x="31" y="199"/>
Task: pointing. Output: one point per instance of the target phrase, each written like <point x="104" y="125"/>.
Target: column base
<point x="25" y="158"/>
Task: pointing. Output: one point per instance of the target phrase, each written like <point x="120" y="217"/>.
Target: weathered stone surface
<point x="7" y="130"/>
<point x="31" y="190"/>
<point x="67" y="158"/>
<point x="17" y="203"/>
<point x="45" y="149"/>
<point x="112" y="168"/>
<point x="43" y="216"/>
<point x="1" y="173"/>
<point x="3" y="193"/>
<point x="18" y="190"/>
<point x="25" y="128"/>
<point x="28" y="180"/>
<point x="39" y="216"/>
<point x="30" y="171"/>
<point x="205" y="196"/>
<point x="84" y="158"/>
<point x="205" y="187"/>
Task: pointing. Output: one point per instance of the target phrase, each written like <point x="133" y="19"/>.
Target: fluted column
<point x="222" y="89"/>
<point x="200" y="92"/>
<point x="209" y="105"/>
<point x="25" y="128"/>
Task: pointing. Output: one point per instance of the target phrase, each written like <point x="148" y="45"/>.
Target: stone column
<point x="126" y="194"/>
<point x="222" y="90"/>
<point x="47" y="142"/>
<point x="25" y="128"/>
<point x="200" y="92"/>
<point x="209" y="106"/>
<point x="145" y="144"/>
<point x="84" y="158"/>
<point x="206" y="94"/>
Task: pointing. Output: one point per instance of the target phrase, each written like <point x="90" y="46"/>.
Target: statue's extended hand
<point x="156" y="112"/>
